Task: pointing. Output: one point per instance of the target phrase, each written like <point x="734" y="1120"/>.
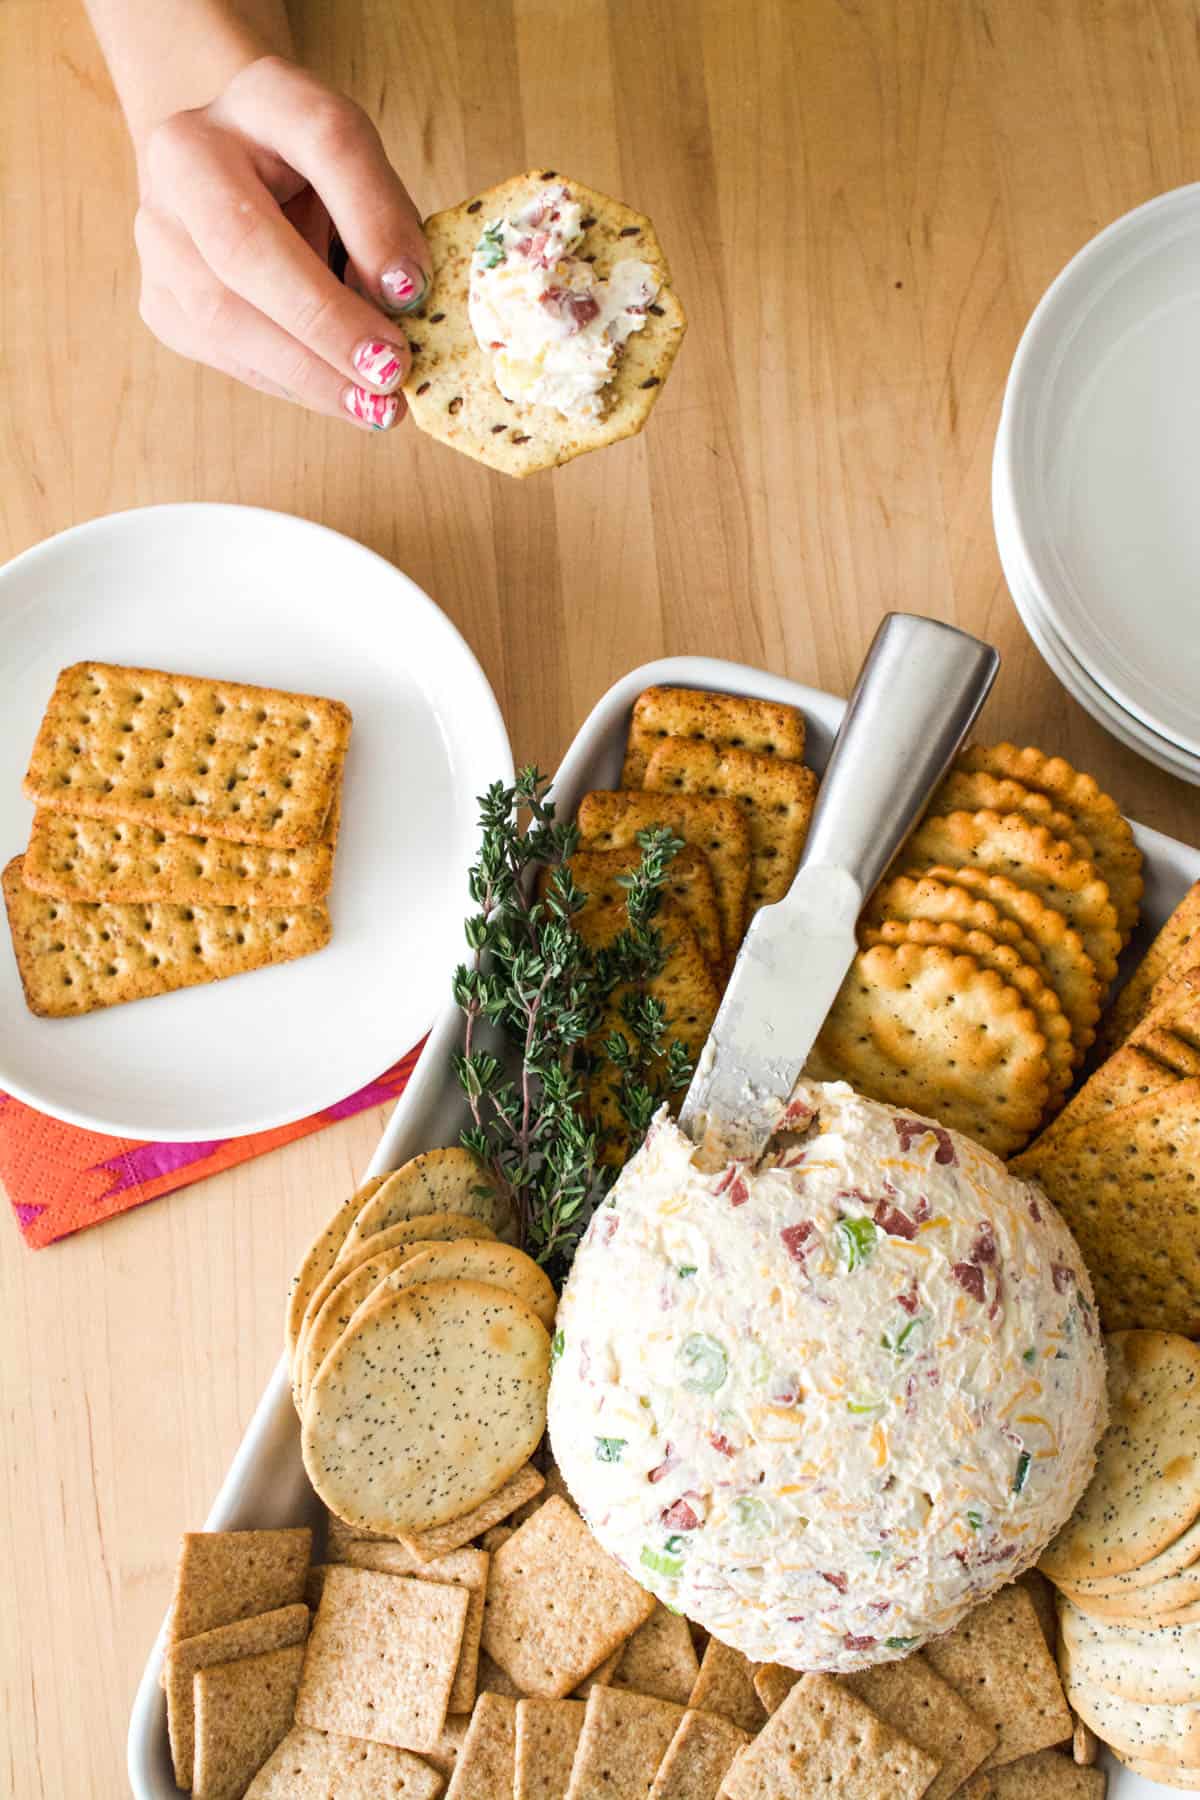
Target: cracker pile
<point x="1122" y="1160"/>
<point x="185" y="831"/>
<point x="1127" y="1565"/>
<point x="988" y="952"/>
<point x="420" y="1354"/>
<point x="726" y="775"/>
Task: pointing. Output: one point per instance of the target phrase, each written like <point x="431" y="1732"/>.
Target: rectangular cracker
<point x="243" y="1710"/>
<point x="1129" y="1075"/>
<point x="547" y="1737"/>
<point x="70" y="857"/>
<point x="624" y="1738"/>
<point x="1047" y="1775"/>
<point x="1125" y="1184"/>
<point x="1176" y="946"/>
<point x="773" y="1683"/>
<point x="443" y="1755"/>
<point x="224" y="1576"/>
<point x="997" y="1662"/>
<point x="486" y="1761"/>
<point x="716" y="827"/>
<point x="277" y="1630"/>
<point x="659" y="1658"/>
<point x="602" y="1674"/>
<point x="382" y="1656"/>
<point x="698" y="1758"/>
<point x="923" y="1708"/>
<point x="823" y="1740"/>
<point x="519" y="1488"/>
<point x="76" y="956"/>
<point x="725" y="1685"/>
<point x="728" y="721"/>
<point x="557" y="1604"/>
<point x="310" y="1765"/>
<point x="493" y="1680"/>
<point x="181" y="753"/>
<point x="776" y="797"/>
<point x="460" y="1568"/>
<point x="689" y="888"/>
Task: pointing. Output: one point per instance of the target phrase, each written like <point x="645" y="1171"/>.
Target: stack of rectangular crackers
<point x="185" y="831"/>
<point x="726" y="775"/>
<point x="988" y="951"/>
<point x="1122" y="1160"/>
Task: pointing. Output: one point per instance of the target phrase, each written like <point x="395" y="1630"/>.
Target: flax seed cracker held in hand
<point x="550" y="326"/>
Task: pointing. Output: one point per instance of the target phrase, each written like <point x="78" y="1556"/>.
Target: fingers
<point x="333" y="144"/>
<point x="187" y="306"/>
<point x="206" y="177"/>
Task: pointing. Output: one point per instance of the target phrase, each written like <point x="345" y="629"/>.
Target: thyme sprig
<point x="575" y="1033"/>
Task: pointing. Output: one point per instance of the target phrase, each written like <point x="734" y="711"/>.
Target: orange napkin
<point x="61" y="1178"/>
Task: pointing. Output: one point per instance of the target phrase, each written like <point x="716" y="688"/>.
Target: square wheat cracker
<point x="717" y="827"/>
<point x="557" y="1604"/>
<point x="70" y="857"/>
<point x="224" y="1576"/>
<point x="773" y="1683"/>
<point x="624" y="1738"/>
<point x="997" y="1662"/>
<point x="451" y="390"/>
<point x="917" y="1703"/>
<point x="1048" y="1775"/>
<point x="698" y="1758"/>
<point x="382" y="1656"/>
<point x="313" y="1765"/>
<point x="76" y="956"/>
<point x="823" y="1740"/>
<point x="243" y="1710"/>
<point x="725" y="1685"/>
<point x="602" y="1674"/>
<point x="519" y="1489"/>
<point x="484" y="1765"/>
<point x="277" y="1630"/>
<point x="458" y="1568"/>
<point x="660" y="1658"/>
<point x="547" y="1736"/>
<point x="777" y="797"/>
<point x="729" y="721"/>
<point x="183" y="753"/>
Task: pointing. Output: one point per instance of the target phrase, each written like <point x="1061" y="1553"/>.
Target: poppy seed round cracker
<point x="357" y="1284"/>
<point x="437" y="1181"/>
<point x="1146" y="1489"/>
<point x="1180" y="1555"/>
<point x="936" y="1033"/>
<point x="451" y="390"/>
<point x="434" y="1400"/>
<point x="1157" y="1734"/>
<point x="1159" y="1665"/>
<point x="1008" y="844"/>
<point x="319" y="1258"/>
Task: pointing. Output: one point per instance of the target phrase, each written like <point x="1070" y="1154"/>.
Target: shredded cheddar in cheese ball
<point x="819" y="1445"/>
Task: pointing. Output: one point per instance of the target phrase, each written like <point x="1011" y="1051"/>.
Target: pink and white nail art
<point x="380" y="363"/>
<point x="379" y="411"/>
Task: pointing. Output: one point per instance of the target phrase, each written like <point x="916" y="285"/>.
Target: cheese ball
<point x="826" y="1404"/>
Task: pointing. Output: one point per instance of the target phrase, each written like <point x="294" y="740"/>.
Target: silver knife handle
<point x="917" y="696"/>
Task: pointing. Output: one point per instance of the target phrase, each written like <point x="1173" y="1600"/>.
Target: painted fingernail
<point x="403" y="285"/>
<point x="380" y="363"/>
<point x="379" y="411"/>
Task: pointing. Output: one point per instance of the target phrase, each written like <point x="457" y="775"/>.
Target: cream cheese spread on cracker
<point x="552" y="327"/>
<point x="826" y="1404"/>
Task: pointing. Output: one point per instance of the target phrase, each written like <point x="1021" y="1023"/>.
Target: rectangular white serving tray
<point x="266" y="1484"/>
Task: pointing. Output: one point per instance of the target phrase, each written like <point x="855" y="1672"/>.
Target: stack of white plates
<point x="1096" y="480"/>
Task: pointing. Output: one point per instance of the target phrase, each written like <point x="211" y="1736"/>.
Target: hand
<point x="240" y="204"/>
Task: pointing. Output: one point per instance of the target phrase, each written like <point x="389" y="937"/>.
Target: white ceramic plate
<point x="260" y="597"/>
<point x="266" y="1484"/>
<point x="1098" y="461"/>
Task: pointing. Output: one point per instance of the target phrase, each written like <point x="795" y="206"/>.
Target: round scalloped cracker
<point x="1096" y="814"/>
<point x="1156" y="1664"/>
<point x="1007" y="844"/>
<point x="450" y="390"/>
<point x="435" y="1399"/>
<point x="942" y="901"/>
<point x="1041" y="999"/>
<point x="972" y="791"/>
<point x="937" y="1034"/>
<point x="1154" y="1734"/>
<point x="1146" y="1488"/>
<point x="319" y="1258"/>
<point x="447" y="1180"/>
<point x="1068" y="967"/>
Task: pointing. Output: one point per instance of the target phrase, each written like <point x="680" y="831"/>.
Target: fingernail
<point x="379" y="411"/>
<point x="380" y="363"/>
<point x="404" y="285"/>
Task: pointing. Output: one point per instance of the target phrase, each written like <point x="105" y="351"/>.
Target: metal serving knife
<point x="915" y="699"/>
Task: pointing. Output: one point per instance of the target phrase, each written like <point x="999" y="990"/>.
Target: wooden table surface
<point x="861" y="203"/>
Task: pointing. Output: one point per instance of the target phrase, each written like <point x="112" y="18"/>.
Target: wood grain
<point x="861" y="202"/>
